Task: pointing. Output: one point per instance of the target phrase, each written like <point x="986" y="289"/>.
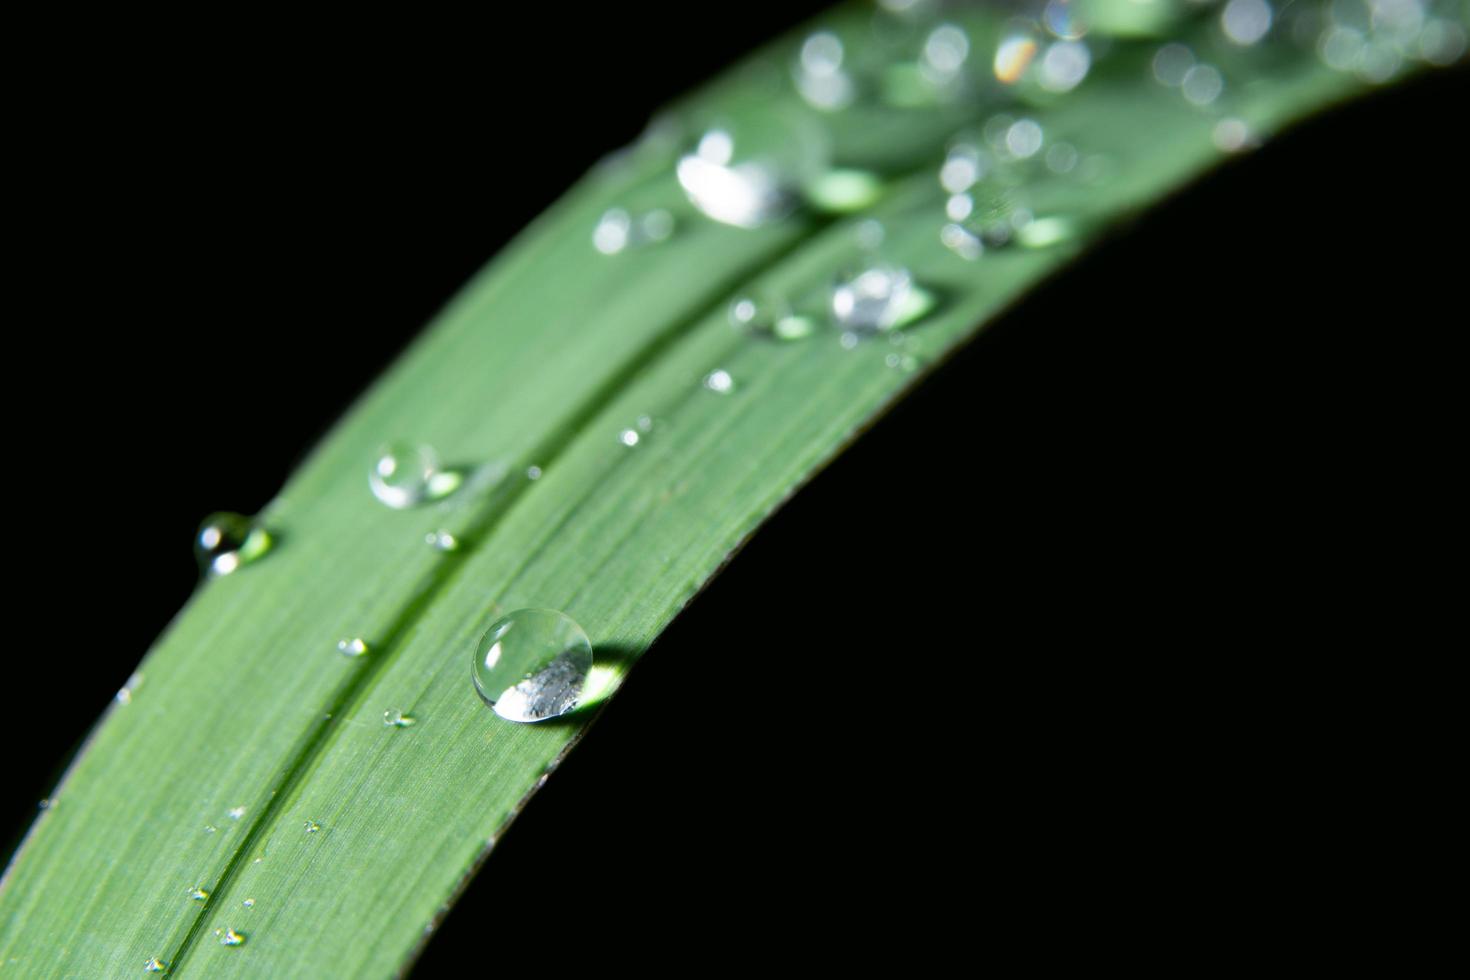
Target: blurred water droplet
<point x="1170" y="64"/>
<point x="719" y="381"/>
<point x="406" y="475"/>
<point x="849" y="340"/>
<point x="871" y="300"/>
<point x="125" y="693"/>
<point x="1246" y="21"/>
<point x="249" y="903"/>
<point x="1061" y="158"/>
<point x="1013" y="56"/>
<point x="746" y="195"/>
<point x="959" y="207"/>
<point x="1059" y="17"/>
<point x="628" y="437"/>
<point x="961" y="241"/>
<point x="352" y="646"/>
<point x="1064" y="65"/>
<point x="770" y="317"/>
<point x="397" y="719"/>
<point x="199" y="895"/>
<point x="1232" y="135"/>
<point x="533" y="472"/>
<point x="154" y="965"/>
<point x="227" y="541"/>
<point x="312" y="826"/>
<point x="945" y="50"/>
<point x="532" y="665"/>
<point x="843" y="191"/>
<point x="818" y="73"/>
<point x="441" y="540"/>
<point x="229" y="937"/>
<point x="869" y="234"/>
<point x="1202" y="85"/>
<point x="963" y="166"/>
<point x="235" y="813"/>
<point x="1442" y="43"/>
<point x="210" y="828"/>
<point x="1024" y="138"/>
<point x="617" y="230"/>
<point x="1045" y="232"/>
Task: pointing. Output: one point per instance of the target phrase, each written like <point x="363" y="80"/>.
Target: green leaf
<point x="250" y="759"/>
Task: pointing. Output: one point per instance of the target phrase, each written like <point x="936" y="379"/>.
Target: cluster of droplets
<point x="1376" y="39"/>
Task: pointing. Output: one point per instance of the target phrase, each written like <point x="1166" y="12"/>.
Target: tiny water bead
<point x="874" y="299"/>
<point x="226" y="541"/>
<point x="230" y="937"/>
<point x="618" y="230"/>
<point x="442" y="540"/>
<point x="394" y="718"/>
<point x="249" y="903"/>
<point x="199" y="895"/>
<point x="235" y="813"/>
<point x="407" y="475"/>
<point x="719" y="381"/>
<point x="154" y="965"/>
<point x="770" y="318"/>
<point x="312" y="826"/>
<point x="353" y="646"/>
<point x="629" y="437"/>
<point x="532" y="665"/>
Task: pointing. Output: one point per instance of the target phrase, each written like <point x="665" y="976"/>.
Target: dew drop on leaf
<point x="353" y="646"/>
<point x="227" y="541"/>
<point x="406" y="475"/>
<point x="532" y="665"/>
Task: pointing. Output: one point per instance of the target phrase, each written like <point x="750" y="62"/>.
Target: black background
<point x="1014" y="654"/>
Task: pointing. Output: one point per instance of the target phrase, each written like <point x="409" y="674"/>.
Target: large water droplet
<point x="746" y="195"/>
<point x="406" y="475"/>
<point x="1246" y="21"/>
<point x="532" y="665"/>
<point x="876" y="298"/>
<point x="227" y="541"/>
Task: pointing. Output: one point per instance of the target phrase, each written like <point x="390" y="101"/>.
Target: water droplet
<point x="963" y="166"/>
<point x="397" y="719"/>
<point x="617" y="230"/>
<point x="1064" y="66"/>
<point x="406" y="475"/>
<point x="873" y="299"/>
<point x="1442" y="42"/>
<point x="1045" y="232"/>
<point x="199" y="895"/>
<point x="227" y="541"/>
<point x="441" y="540"/>
<point x="1013" y="56"/>
<point x="312" y="826"/>
<point x="125" y="693"/>
<point x="819" y="76"/>
<point x="645" y="423"/>
<point x="959" y="207"/>
<point x="628" y="437"/>
<point x="229" y="937"/>
<point x="719" y="381"/>
<point x="249" y="903"/>
<point x="235" y="813"/>
<point x="1170" y="64"/>
<point x="154" y="965"/>
<point x="1246" y="21"/>
<point x="945" y="51"/>
<point x="532" y="665"/>
<point x="1232" y="135"/>
<point x="843" y="191"/>
<point x="746" y="195"/>
<point x="210" y="828"/>
<point x="533" y="472"/>
<point x="1063" y="22"/>
<point x="1023" y="138"/>
<point x="769" y="317"/>
<point x="962" y="242"/>
<point x="1202" y="85"/>
<point x="353" y="646"/>
<point x="1061" y="158"/>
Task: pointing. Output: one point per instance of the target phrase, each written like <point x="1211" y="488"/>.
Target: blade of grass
<point x="541" y="362"/>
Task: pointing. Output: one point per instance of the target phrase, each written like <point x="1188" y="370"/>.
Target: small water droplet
<point x="962" y="242"/>
<point x="1062" y="21"/>
<point x="312" y="826"/>
<point x="1202" y="84"/>
<point x="1064" y="65"/>
<point x="210" y="828"/>
<point x="249" y="903"/>
<point x="873" y="299"/>
<point x="1013" y="56"/>
<point x="441" y="540"/>
<point x="229" y="937"/>
<point x="819" y="76"/>
<point x="154" y="965"/>
<point x="397" y="719"/>
<point x="1232" y="135"/>
<point x="406" y="475"/>
<point x="353" y="646"/>
<point x="628" y="437"/>
<point x="849" y="340"/>
<point x="769" y="317"/>
<point x="1023" y="139"/>
<point x="199" y="895"/>
<point x="964" y="165"/>
<point x="532" y="665"/>
<point x="719" y="381"/>
<point x="618" y="230"/>
<point x="235" y="813"/>
<point x="843" y="190"/>
<point x="1171" y="62"/>
<point x="1246" y="21"/>
<point x="227" y="541"/>
<point x="645" y="423"/>
<point x="945" y="51"/>
<point x="533" y="472"/>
